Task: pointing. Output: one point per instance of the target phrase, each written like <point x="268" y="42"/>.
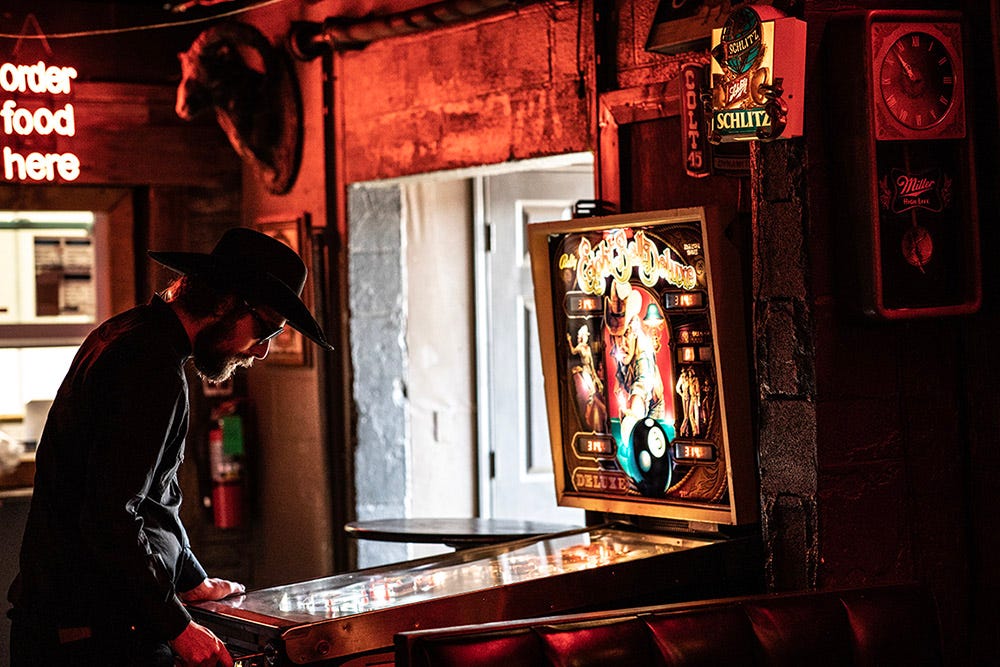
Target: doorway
<point x="515" y="459"/>
<point x="447" y="374"/>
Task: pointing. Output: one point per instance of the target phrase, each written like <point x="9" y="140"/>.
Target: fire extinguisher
<point x="225" y="449"/>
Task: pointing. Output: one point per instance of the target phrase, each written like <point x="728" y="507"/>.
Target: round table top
<point x="453" y="532"/>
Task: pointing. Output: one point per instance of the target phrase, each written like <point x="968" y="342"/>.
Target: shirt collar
<point x="173" y="328"/>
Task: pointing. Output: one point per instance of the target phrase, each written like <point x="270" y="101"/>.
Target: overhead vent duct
<point x="309" y="39"/>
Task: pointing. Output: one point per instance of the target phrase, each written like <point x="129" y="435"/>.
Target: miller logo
<point x="901" y="191"/>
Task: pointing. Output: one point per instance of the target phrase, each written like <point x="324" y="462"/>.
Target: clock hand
<point x="906" y="67"/>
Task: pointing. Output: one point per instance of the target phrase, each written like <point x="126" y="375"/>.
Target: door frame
<point x="483" y="326"/>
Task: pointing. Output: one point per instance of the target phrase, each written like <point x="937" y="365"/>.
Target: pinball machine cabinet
<point x="641" y="325"/>
<point x="351" y="618"/>
<point x="643" y="352"/>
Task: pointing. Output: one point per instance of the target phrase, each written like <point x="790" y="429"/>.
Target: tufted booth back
<point x="894" y="625"/>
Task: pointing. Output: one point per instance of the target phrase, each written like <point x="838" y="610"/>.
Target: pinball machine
<point x="642" y="337"/>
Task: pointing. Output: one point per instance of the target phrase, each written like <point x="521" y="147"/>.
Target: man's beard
<point x="212" y="360"/>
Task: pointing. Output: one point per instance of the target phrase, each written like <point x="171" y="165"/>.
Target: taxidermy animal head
<point x="234" y="70"/>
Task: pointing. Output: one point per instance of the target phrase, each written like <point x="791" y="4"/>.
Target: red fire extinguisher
<point x="227" y="472"/>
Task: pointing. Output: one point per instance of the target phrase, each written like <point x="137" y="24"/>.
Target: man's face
<point x="627" y="341"/>
<point x="232" y="341"/>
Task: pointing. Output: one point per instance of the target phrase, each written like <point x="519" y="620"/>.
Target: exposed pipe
<point x="309" y="39"/>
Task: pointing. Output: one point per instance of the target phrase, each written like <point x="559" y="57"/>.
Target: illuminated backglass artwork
<point x="635" y="336"/>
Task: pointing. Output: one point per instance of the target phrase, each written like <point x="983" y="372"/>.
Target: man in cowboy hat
<point x="105" y="562"/>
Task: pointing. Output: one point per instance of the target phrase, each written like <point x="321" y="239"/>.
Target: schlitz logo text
<point x="901" y="191"/>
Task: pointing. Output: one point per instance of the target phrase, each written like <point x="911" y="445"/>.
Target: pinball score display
<point x="643" y="351"/>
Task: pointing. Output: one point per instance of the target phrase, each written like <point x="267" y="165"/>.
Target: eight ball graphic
<point x="649" y="447"/>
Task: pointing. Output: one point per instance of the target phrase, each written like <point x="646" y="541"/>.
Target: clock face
<point x="917" y="80"/>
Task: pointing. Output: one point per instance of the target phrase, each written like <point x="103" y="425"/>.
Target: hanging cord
<point x="581" y="84"/>
<point x="139" y="28"/>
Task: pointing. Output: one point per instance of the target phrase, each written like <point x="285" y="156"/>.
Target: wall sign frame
<point x="646" y="156"/>
<point x="290" y="348"/>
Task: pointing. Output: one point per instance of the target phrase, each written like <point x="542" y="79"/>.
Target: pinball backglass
<point x="642" y="332"/>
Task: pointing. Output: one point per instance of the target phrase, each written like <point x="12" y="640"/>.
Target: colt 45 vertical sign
<point x="693" y="139"/>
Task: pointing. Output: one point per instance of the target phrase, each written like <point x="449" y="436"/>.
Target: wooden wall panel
<point x="129" y="134"/>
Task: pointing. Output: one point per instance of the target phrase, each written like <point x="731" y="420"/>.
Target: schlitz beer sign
<point x="758" y="76"/>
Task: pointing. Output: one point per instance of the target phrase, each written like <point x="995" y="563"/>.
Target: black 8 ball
<point x="649" y="446"/>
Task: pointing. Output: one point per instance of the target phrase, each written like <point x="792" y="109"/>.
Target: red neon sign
<point x="20" y="118"/>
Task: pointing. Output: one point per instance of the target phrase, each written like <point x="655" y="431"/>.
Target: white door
<point x="516" y="479"/>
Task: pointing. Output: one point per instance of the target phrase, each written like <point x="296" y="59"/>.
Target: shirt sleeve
<point x="191" y="572"/>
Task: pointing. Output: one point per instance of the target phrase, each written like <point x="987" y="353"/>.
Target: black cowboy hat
<point x="257" y="268"/>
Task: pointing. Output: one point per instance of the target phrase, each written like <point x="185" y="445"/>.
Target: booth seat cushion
<point x="800" y="630"/>
<point x="895" y="625"/>
<point x="716" y="635"/>
<point x="600" y="643"/>
<point x="501" y="649"/>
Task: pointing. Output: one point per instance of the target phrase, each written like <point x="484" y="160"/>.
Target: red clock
<point x="904" y="154"/>
<point x="919" y="79"/>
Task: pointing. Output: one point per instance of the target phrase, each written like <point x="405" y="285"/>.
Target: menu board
<point x="50" y="274"/>
<point x="64" y="276"/>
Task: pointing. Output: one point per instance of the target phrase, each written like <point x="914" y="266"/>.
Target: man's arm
<point x="212" y="589"/>
<point x="196" y="646"/>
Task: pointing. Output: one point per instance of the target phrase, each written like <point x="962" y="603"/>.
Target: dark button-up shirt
<point x="104" y="542"/>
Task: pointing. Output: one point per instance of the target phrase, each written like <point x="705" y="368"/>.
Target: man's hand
<point x="198" y="647"/>
<point x="212" y="589"/>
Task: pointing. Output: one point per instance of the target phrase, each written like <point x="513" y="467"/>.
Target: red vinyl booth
<point x="893" y="625"/>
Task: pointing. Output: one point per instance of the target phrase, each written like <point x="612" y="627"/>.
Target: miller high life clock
<point x="897" y="110"/>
